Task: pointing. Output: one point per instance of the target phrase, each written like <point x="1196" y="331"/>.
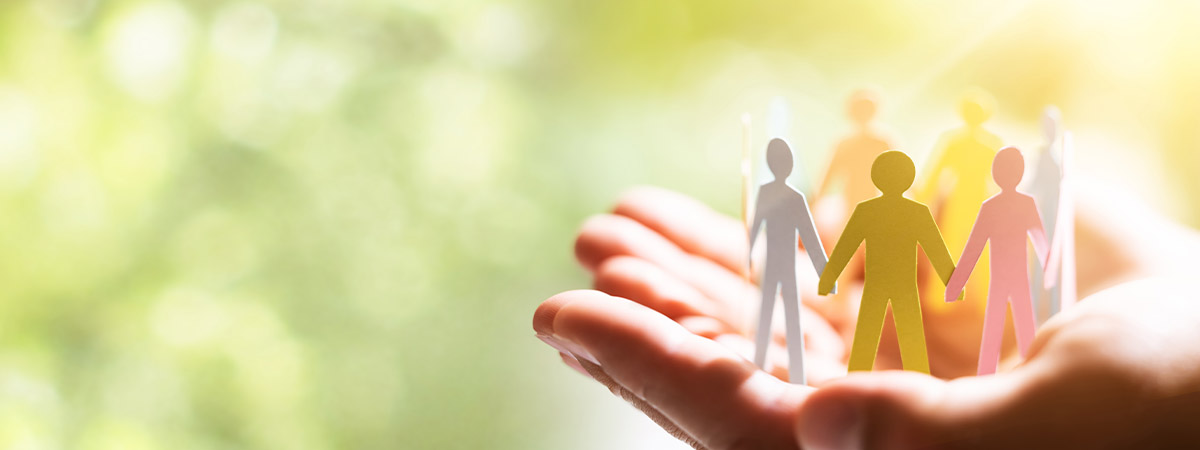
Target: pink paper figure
<point x="1005" y="220"/>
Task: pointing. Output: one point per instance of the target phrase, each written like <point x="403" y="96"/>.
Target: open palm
<point x="665" y="329"/>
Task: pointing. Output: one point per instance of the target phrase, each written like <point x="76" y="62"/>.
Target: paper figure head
<point x="862" y="106"/>
<point x="893" y="172"/>
<point x="779" y="158"/>
<point x="976" y="106"/>
<point x="1050" y="120"/>
<point x="1008" y="168"/>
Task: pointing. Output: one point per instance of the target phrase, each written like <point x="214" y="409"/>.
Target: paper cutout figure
<point x="850" y="167"/>
<point x="957" y="184"/>
<point x="1044" y="187"/>
<point x="1060" y="270"/>
<point x="747" y="181"/>
<point x="892" y="227"/>
<point x="784" y="212"/>
<point x="1004" y="220"/>
<point x="954" y="187"/>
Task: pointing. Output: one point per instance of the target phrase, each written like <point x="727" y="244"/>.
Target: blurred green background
<point x="319" y="224"/>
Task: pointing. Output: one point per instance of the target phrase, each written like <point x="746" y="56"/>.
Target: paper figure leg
<point x="795" y="336"/>
<point x="1023" y="320"/>
<point x="993" y="331"/>
<point x="762" y="336"/>
<point x="1055" y="299"/>
<point x="910" y="333"/>
<point x="867" y="330"/>
<point x="1041" y="297"/>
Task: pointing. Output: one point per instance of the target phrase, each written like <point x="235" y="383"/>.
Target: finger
<point x="819" y="368"/>
<point x="646" y="283"/>
<point x="1031" y="408"/>
<point x="597" y="373"/>
<point x="776" y="365"/>
<point x="696" y="229"/>
<point x="606" y="236"/>
<point x="884" y="410"/>
<point x="687" y="223"/>
<point x="710" y="392"/>
<point x="573" y="363"/>
<point x="706" y="326"/>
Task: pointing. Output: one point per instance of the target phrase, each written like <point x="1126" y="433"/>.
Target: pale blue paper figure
<point x="784" y="212"/>
<point x="1046" y="189"/>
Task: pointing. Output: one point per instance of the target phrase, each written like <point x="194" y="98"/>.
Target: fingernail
<point x="840" y="427"/>
<point x="573" y="363"/>
<point x="568" y="347"/>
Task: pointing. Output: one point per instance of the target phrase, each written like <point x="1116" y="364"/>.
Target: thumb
<point x="901" y="410"/>
<point x="890" y="410"/>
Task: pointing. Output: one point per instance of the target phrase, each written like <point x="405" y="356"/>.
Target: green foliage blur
<point x="320" y="224"/>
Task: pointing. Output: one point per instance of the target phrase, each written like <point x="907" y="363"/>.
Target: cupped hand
<point x="667" y="334"/>
<point x="675" y="256"/>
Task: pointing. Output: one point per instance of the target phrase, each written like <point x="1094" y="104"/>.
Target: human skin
<point x="665" y="330"/>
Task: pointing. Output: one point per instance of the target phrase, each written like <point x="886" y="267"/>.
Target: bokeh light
<point x="325" y="224"/>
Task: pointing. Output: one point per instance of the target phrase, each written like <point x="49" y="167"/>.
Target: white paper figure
<point x="1060" y="270"/>
<point x="1045" y="188"/>
<point x="784" y="212"/>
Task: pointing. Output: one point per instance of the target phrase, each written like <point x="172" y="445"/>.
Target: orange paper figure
<point x="784" y="211"/>
<point x="892" y="227"/>
<point x="850" y="166"/>
<point x="1005" y="220"/>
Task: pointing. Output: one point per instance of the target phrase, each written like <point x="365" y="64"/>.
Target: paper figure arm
<point x="834" y="172"/>
<point x="846" y="245"/>
<point x="812" y="241"/>
<point x="756" y="224"/>
<point x="931" y="241"/>
<point x="970" y="256"/>
<point x="1037" y="234"/>
<point x="1057" y="246"/>
<point x="928" y="192"/>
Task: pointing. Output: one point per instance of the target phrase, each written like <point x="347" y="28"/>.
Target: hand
<point x="676" y="256"/>
<point x="1091" y="380"/>
<point x="1089" y="371"/>
<point x="826" y="286"/>
<point x="676" y="345"/>
<point x="952" y="289"/>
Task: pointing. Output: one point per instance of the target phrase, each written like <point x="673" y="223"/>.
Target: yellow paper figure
<point x="956" y="184"/>
<point x="850" y="166"/>
<point x="892" y="227"/>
